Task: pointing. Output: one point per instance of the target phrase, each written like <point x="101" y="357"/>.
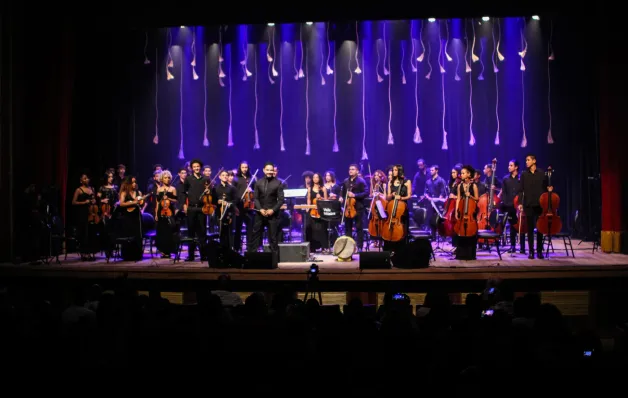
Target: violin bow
<point x="249" y="186"/>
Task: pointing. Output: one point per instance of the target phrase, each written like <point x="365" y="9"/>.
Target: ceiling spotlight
<point x="309" y="23"/>
<point x="182" y="27"/>
<point x="431" y="19"/>
<point x="486" y="19"/>
<point x="535" y="17"/>
<point x="271" y="24"/>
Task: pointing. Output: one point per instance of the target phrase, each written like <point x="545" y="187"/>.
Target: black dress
<point x="397" y="246"/>
<point x="466" y="246"/>
<point x="107" y="232"/>
<point x="131" y="227"/>
<point x="168" y="237"/>
<point x="86" y="231"/>
<point x="317" y="228"/>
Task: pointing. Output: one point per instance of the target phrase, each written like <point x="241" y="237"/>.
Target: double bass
<point x="394" y="230"/>
<point x="467" y="224"/>
<point x="549" y="223"/>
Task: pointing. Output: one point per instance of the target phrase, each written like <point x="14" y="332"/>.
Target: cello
<point x="493" y="205"/>
<point x="376" y="217"/>
<point x="395" y="230"/>
<point x="466" y="224"/>
<point x="549" y="223"/>
<point x="485" y="204"/>
<point x="448" y="221"/>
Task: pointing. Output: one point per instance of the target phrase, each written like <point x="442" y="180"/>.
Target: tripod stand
<point x="312" y="288"/>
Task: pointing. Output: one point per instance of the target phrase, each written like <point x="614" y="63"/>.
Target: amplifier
<point x="292" y="252"/>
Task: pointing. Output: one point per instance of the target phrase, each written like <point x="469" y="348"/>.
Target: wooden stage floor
<point x="557" y="268"/>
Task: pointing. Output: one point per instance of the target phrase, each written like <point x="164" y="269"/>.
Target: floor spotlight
<point x="431" y="19"/>
<point x="535" y="17"/>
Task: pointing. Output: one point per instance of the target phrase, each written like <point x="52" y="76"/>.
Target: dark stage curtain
<point x="41" y="102"/>
<point x="613" y="124"/>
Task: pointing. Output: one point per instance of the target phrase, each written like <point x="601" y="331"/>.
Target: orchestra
<point x="380" y="209"/>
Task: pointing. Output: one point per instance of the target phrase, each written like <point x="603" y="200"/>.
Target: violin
<point x="314" y="212"/>
<point x="350" y="211"/>
<point x="93" y="216"/>
<point x="105" y="209"/>
<point x="166" y="210"/>
<point x="549" y="223"/>
<point x="522" y="221"/>
<point x="467" y="224"/>
<point x="140" y="202"/>
<point x="248" y="198"/>
<point x="208" y="207"/>
<point x="395" y="230"/>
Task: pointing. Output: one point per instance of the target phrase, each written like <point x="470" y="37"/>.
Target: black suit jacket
<point x="268" y="194"/>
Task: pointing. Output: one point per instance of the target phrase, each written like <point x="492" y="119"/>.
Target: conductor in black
<point x="268" y="197"/>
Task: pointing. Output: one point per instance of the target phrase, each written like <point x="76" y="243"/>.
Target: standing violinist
<point x="510" y="188"/>
<point x="317" y="228"/>
<point x="243" y="216"/>
<point x="226" y="197"/>
<point x="167" y="235"/>
<point x="194" y="188"/>
<point x="533" y="184"/>
<point x="84" y="198"/>
<point x="108" y="196"/>
<point x="400" y="189"/>
<point x="355" y="187"/>
<point x="466" y="245"/>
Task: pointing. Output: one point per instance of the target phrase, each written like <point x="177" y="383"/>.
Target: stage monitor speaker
<point x="219" y="256"/>
<point x="415" y="254"/>
<point x="292" y="252"/>
<point x="375" y="260"/>
<point x="259" y="260"/>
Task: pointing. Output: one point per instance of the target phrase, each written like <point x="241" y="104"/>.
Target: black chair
<point x="491" y="238"/>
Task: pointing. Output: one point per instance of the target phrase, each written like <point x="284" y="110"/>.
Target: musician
<point x="454" y="180"/>
<point x="316" y="232"/>
<point x="466" y="245"/>
<point x="282" y="181"/>
<point x="379" y="183"/>
<point x="355" y="187"/>
<point x="488" y="177"/>
<point x="307" y="179"/>
<point x="157" y="169"/>
<point x="231" y="176"/>
<point x="533" y="184"/>
<point x="399" y="188"/>
<point x="243" y="185"/>
<point x="226" y="196"/>
<point x="333" y="189"/>
<point x="153" y="186"/>
<point x="207" y="172"/>
<point x="268" y="200"/>
<point x="178" y="185"/>
<point x="510" y="188"/>
<point x="420" y="178"/>
<point x="86" y="234"/>
<point x="194" y="188"/>
<point x="435" y="190"/>
<point x="119" y="177"/>
<point x="131" y="221"/>
<point x="107" y="196"/>
<point x="167" y="234"/>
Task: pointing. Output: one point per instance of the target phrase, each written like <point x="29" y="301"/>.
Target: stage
<point x="587" y="270"/>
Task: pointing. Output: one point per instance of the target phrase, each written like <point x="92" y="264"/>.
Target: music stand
<point x="330" y="211"/>
<point x="293" y="194"/>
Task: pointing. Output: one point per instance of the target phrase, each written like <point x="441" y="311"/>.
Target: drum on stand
<point x="344" y="248"/>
